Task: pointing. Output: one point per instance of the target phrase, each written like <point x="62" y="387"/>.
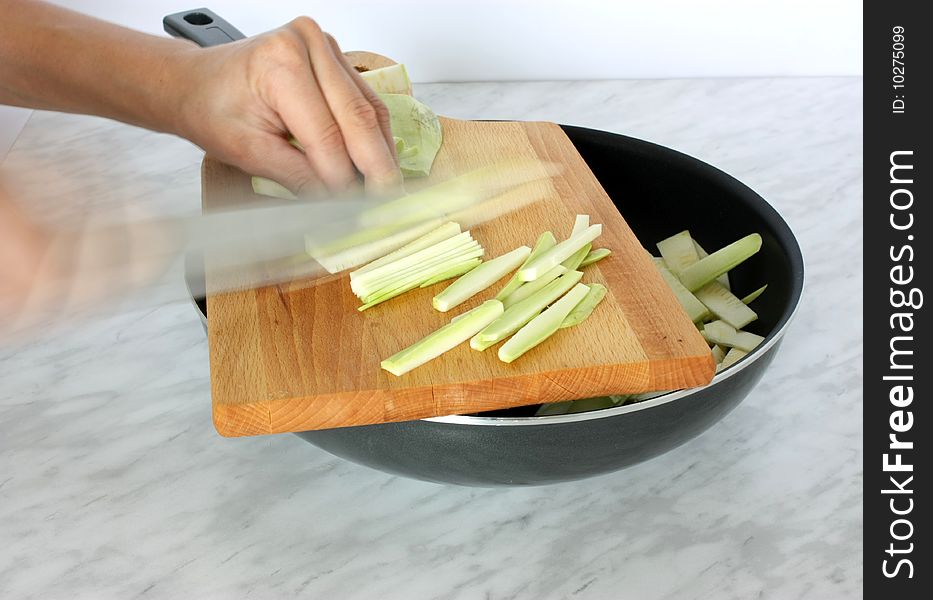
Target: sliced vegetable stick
<point x="543" y="326"/>
<point x="588" y="404"/>
<point x="461" y="253"/>
<point x="718" y="353"/>
<point x="754" y="295"/>
<point x="723" y="260"/>
<point x="354" y="256"/>
<point x="585" y="308"/>
<point x="455" y="271"/>
<point x="558" y="253"/>
<point x="580" y="224"/>
<point x="520" y="313"/>
<point x="725" y="305"/>
<point x="678" y="252"/>
<point x="545" y="242"/>
<point x="554" y="408"/>
<point x="415" y="258"/>
<point x="595" y="256"/>
<point x="576" y="258"/>
<point x="532" y="287"/>
<point x="720" y="332"/>
<point x="732" y="357"/>
<point x="439" y="234"/>
<point x="695" y="309"/>
<point x="480" y="278"/>
<point x="724" y="278"/>
<point x="418" y="276"/>
<point x="442" y="340"/>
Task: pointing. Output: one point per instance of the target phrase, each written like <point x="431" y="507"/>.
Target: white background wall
<point x="483" y="40"/>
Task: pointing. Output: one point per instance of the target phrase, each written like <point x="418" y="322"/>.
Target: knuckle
<point x="306" y="25"/>
<point x="331" y="138"/>
<point x="362" y="113"/>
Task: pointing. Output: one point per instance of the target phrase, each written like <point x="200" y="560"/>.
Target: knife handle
<point x="202" y="26"/>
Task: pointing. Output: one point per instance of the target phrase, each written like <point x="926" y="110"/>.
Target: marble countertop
<point x="114" y="484"/>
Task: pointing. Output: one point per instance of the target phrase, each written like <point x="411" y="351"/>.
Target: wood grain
<point x="294" y="358"/>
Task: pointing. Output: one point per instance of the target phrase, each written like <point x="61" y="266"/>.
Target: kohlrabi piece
<point x="595" y="256"/>
<point x="451" y="257"/>
<point x="480" y="278"/>
<point x="580" y="223"/>
<point x="724" y="278"/>
<point x="532" y="287"/>
<point x="725" y="305"/>
<point x="455" y="271"/>
<point x="417" y="277"/>
<point x="388" y="80"/>
<point x="436" y="235"/>
<point x="418" y="127"/>
<point x="585" y="308"/>
<point x="573" y="263"/>
<point x="522" y="312"/>
<point x="695" y="309"/>
<point x="723" y="334"/>
<point x="415" y="258"/>
<point x="545" y="242"/>
<point x="543" y="326"/>
<point x="754" y="295"/>
<point x="442" y="340"/>
<point x="678" y="252"/>
<point x="718" y="353"/>
<point x="722" y="261"/>
<point x="559" y="253"/>
<point x="588" y="404"/>
<point x="354" y="256"/>
<point x="648" y="396"/>
<point x="732" y="356"/>
<point x="267" y="187"/>
<point x="554" y="408"/>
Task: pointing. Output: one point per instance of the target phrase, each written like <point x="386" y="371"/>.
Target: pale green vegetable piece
<point x="449" y="258"/>
<point x="418" y="127"/>
<point x="588" y="404"/>
<point x="695" y="309"/>
<point x="559" y="253"/>
<point x="543" y="326"/>
<point x="442" y="340"/>
<point x="522" y="312"/>
<point x="455" y="271"/>
<point x="419" y="276"/>
<point x="718" y="353"/>
<point x="554" y="408"/>
<point x="402" y="150"/>
<point x="545" y="242"/>
<point x="648" y="395"/>
<point x="357" y="255"/>
<point x="595" y="256"/>
<point x="461" y="240"/>
<point x="585" y="308"/>
<point x="434" y="236"/>
<point x="388" y="80"/>
<point x="273" y="189"/>
<point x="723" y="334"/>
<point x="573" y="263"/>
<point x="532" y="287"/>
<point x="580" y="223"/>
<point x="754" y="295"/>
<point x="725" y="305"/>
<point x="678" y="252"/>
<point x="724" y="278"/>
<point x="732" y="357"/>
<point x="480" y="278"/>
<point x="372" y="301"/>
<point x="723" y="260"/>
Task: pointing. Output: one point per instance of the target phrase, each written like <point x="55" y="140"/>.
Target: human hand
<point x="241" y="101"/>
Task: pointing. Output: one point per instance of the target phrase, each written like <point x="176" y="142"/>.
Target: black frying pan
<point x="660" y="192"/>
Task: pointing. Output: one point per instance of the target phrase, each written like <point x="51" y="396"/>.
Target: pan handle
<point x="202" y="26"/>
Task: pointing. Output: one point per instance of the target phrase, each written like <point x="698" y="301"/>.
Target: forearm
<point x="52" y="58"/>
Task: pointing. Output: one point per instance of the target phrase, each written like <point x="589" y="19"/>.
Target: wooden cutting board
<point x="294" y="358"/>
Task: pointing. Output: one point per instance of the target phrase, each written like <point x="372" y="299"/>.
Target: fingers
<point x="361" y="118"/>
<point x="283" y="163"/>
